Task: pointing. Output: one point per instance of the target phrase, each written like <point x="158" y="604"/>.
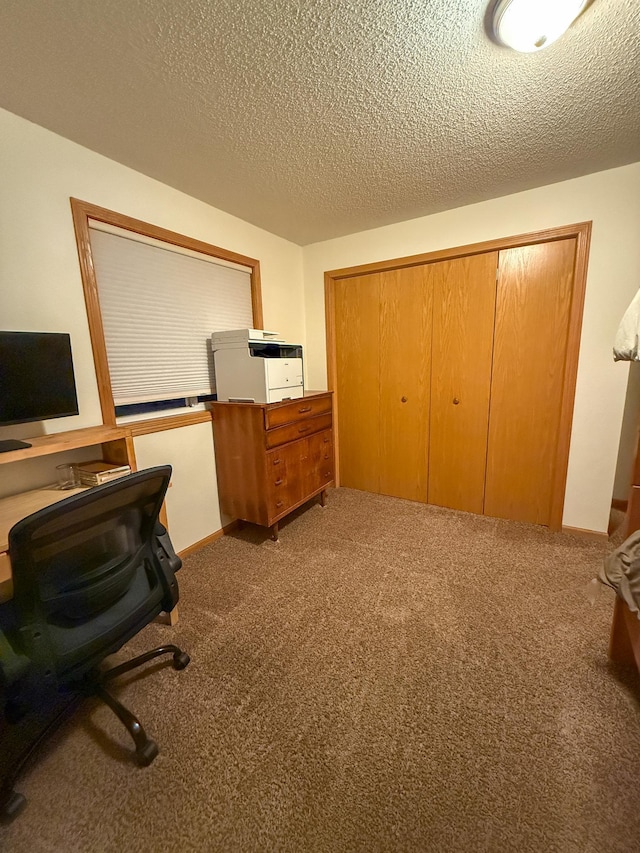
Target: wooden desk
<point x="113" y="444"/>
<point x="14" y="508"/>
<point x="116" y="445"/>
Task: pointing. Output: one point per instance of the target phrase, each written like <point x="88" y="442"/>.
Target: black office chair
<point x="89" y="572"/>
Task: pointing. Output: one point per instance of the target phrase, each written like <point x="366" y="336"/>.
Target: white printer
<point x="255" y="366"/>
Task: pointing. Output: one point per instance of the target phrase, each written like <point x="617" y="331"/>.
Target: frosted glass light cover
<point x="530" y="25"/>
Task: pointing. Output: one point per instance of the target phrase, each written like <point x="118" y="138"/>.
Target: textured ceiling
<point x="317" y="118"/>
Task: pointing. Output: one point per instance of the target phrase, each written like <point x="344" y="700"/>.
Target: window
<point x="153" y="300"/>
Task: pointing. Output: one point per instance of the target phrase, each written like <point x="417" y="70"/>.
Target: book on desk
<point x="97" y="472"/>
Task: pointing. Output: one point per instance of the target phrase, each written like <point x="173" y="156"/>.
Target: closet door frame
<point x="581" y="231"/>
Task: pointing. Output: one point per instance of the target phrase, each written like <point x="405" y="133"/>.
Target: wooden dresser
<point x="272" y="457"/>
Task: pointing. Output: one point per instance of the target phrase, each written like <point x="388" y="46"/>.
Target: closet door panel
<point x="464" y="298"/>
<point x="535" y="287"/>
<point x="405" y="367"/>
<point x="357" y="312"/>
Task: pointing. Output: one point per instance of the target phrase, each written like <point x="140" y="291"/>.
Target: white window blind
<point x="159" y="307"/>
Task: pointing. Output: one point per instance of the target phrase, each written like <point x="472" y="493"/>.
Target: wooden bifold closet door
<point x="357" y="323"/>
<point x="450" y="378"/>
<point x="464" y="305"/>
<point x="533" y="304"/>
<point x="383" y="337"/>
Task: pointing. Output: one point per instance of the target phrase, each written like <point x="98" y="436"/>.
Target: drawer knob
<point x="403" y="399"/>
<point x="279" y="504"/>
<point x="455" y="401"/>
<point x="304" y="428"/>
<point x="304" y="409"/>
<point x="276" y="461"/>
<point x="278" y="482"/>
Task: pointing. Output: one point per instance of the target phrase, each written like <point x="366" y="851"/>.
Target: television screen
<point x="36" y="377"/>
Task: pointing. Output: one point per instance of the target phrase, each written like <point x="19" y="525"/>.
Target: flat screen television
<point x="36" y="379"/>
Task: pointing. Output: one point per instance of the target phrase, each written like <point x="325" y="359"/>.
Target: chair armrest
<point x="169" y="563"/>
<point x="162" y="537"/>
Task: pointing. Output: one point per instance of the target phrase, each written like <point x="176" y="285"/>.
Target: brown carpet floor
<point x="388" y="677"/>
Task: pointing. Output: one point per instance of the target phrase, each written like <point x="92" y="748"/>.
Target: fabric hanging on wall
<point x="625" y="346"/>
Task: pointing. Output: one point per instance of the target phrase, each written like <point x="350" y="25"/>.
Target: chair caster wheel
<point x="147" y="753"/>
<point x="181" y="660"/>
<point x="12" y="807"/>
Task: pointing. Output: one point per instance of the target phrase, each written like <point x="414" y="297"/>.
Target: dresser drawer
<point x="319" y="471"/>
<point x="284" y="494"/>
<point x="291" y="432"/>
<point x="321" y="446"/>
<point x="285" y="476"/>
<point x="283" y="464"/>
<point x="306" y="407"/>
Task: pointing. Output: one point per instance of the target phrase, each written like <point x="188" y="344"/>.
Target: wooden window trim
<point x="146" y="427"/>
<point x="82" y="213"/>
<point x="581" y="232"/>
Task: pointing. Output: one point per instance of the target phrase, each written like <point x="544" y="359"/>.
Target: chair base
<point x="11" y="802"/>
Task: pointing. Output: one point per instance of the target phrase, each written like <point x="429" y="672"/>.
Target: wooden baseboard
<point x="586" y="534"/>
<point x="228" y="528"/>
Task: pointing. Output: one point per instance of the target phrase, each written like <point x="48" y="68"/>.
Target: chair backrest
<point x="88" y="573"/>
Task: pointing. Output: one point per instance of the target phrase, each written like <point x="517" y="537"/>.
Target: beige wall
<point x="612" y="201"/>
<point x="40" y="286"/>
<point x="189" y="451"/>
<point x="41" y="290"/>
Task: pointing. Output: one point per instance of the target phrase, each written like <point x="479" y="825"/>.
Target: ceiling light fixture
<point x="530" y="25"/>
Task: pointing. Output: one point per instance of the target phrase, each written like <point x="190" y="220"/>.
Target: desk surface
<point x="114" y="444"/>
<point x="16" y="507"/>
